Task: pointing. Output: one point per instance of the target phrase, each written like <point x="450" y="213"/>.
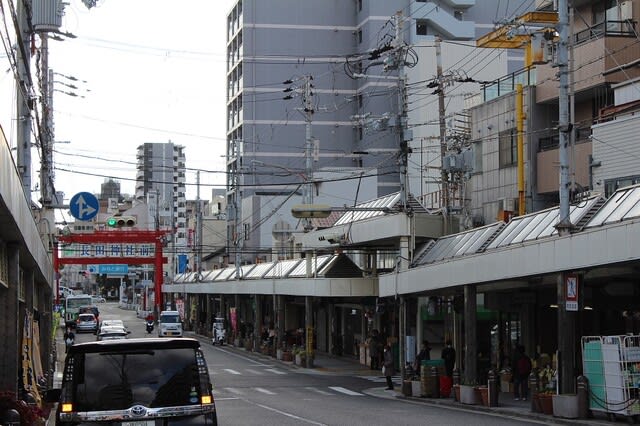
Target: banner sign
<point x="571" y="292"/>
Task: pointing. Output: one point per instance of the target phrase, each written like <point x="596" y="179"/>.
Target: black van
<point x="135" y="382"/>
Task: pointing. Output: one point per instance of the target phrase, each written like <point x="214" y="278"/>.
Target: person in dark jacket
<point x="449" y="357"/>
<point x="69" y="339"/>
<point x="423" y="355"/>
<point x="521" y="369"/>
<point x="388" y="366"/>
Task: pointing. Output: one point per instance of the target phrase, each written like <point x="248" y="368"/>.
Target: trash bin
<point x="426" y="376"/>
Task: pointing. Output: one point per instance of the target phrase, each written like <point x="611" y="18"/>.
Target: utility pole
<point x="444" y="176"/>
<point x="308" y="112"/>
<point x="237" y="207"/>
<point x="405" y="136"/>
<point x="198" y="236"/>
<point x="564" y="127"/>
<point x="24" y="100"/>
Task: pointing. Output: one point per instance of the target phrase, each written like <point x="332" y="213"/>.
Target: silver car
<point x="86" y="322"/>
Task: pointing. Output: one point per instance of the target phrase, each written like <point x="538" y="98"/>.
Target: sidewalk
<point x="325" y="364"/>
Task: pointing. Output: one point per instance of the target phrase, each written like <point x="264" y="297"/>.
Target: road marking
<point x="320" y="391"/>
<point x="246" y="358"/>
<point x="273" y="370"/>
<point x="268" y="392"/>
<point x="293" y="416"/>
<point x="256" y="372"/>
<point x="235" y="391"/>
<point x="345" y="391"/>
<point x="228" y="370"/>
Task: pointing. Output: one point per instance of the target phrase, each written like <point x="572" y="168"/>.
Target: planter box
<point x="468" y="395"/>
<point x="565" y="406"/>
<point x="416" y="388"/>
<point x="484" y="395"/>
<point x="546" y="403"/>
<point x="287" y="356"/>
<point x="456" y="392"/>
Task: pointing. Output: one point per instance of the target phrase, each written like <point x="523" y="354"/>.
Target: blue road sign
<point x="113" y="269"/>
<point x="84" y="206"/>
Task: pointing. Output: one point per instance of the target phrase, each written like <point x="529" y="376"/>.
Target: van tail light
<point x="203" y="376"/>
<point x="67" y="407"/>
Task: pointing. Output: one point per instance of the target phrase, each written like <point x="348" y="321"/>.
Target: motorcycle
<point x="149" y="326"/>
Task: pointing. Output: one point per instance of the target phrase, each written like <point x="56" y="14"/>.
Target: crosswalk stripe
<point x="228" y="370"/>
<point x="320" y="391"/>
<point x="256" y="372"/>
<point x="235" y="391"/>
<point x="345" y="391"/>
<point x="273" y="370"/>
<point x="268" y="392"/>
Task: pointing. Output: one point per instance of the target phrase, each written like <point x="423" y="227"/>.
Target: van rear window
<point x="118" y="380"/>
<point x="170" y="319"/>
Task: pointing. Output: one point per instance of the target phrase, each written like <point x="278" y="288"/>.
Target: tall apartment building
<point x="292" y="75"/>
<point x="161" y="174"/>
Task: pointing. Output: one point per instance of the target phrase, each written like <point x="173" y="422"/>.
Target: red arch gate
<point x="122" y="247"/>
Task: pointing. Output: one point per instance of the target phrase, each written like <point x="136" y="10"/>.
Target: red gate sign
<point x="571" y="292"/>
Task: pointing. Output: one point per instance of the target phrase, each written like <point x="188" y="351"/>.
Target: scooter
<point x="149" y="326"/>
<point x="218" y="336"/>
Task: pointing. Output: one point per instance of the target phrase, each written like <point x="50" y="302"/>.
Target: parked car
<point x="152" y="381"/>
<point x="169" y="324"/>
<point x="98" y="299"/>
<point x="86" y="322"/>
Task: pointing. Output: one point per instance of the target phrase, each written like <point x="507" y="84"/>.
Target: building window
<point x="359" y="5"/>
<point x="508" y="155"/>
<point x="247" y="230"/>
<point x="421" y="28"/>
<point x="457" y="14"/>
<point x="611" y="185"/>
<point x="360" y="104"/>
<point x="359" y="36"/>
<point x="360" y="133"/>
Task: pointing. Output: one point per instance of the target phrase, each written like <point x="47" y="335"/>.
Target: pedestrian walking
<point x="69" y="338"/>
<point x="449" y="356"/>
<point x="521" y="370"/>
<point x="387" y="367"/>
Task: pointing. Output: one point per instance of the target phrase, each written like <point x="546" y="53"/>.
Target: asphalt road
<point x="250" y="390"/>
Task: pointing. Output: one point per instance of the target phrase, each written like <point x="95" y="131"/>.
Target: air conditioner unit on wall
<point x="506" y="204"/>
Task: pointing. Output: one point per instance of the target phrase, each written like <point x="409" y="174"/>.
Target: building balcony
<point x="548" y="166"/>
<point x="604" y="54"/>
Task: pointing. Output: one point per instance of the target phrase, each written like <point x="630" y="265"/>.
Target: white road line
<point x="251" y="360"/>
<point x="228" y="370"/>
<point x="256" y="372"/>
<point x="263" y="390"/>
<point x="234" y="391"/>
<point x="293" y="416"/>
<point x="320" y="391"/>
<point x="345" y="391"/>
<point x="273" y="370"/>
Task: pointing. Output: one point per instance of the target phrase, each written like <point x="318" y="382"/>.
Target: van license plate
<point x="140" y="423"/>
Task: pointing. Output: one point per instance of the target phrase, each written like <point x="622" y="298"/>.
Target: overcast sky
<point x="155" y="72"/>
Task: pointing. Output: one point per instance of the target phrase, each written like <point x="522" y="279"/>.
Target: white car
<point x="112" y="332"/>
<point x="98" y="299"/>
